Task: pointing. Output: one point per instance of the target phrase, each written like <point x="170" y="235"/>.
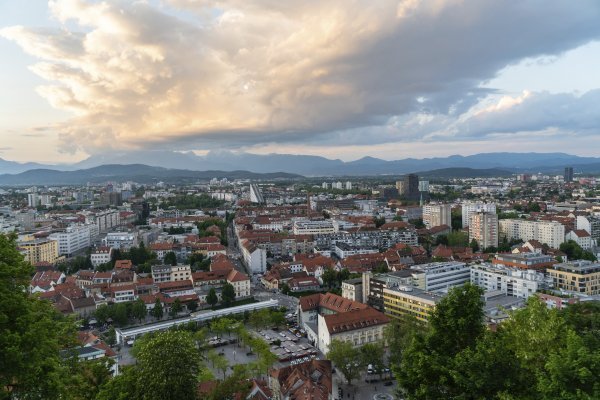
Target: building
<point x="106" y="220"/>
<point x="256" y="195"/>
<point x="534" y="261"/>
<point x="254" y="257"/>
<point x="568" y="175"/>
<point x="408" y="187"/>
<point x="32" y="200"/>
<point x="578" y="276"/>
<point x="408" y="301"/>
<point x="483" y="228"/>
<point x="73" y="239"/>
<point x="101" y="255"/>
<point x="161" y="273"/>
<point x="437" y="215"/>
<point x="591" y="225"/>
<point x="440" y="276"/>
<point x="319" y="227"/>
<point x="121" y="240"/>
<point x="472" y="207"/>
<point x="38" y="249"/>
<point x="510" y="281"/>
<point x="309" y="380"/>
<point x="348" y="185"/>
<point x="581" y="237"/>
<point x="181" y="273"/>
<point x="548" y="232"/>
<point x="352" y="289"/>
<point x="326" y="317"/>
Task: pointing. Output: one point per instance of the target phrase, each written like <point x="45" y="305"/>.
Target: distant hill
<point x="448" y="173"/>
<point x="307" y="165"/>
<point x="135" y="172"/>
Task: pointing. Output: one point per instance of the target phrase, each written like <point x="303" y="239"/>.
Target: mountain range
<point x="307" y="165"/>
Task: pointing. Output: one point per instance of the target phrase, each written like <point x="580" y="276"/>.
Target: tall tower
<point x="568" y="176"/>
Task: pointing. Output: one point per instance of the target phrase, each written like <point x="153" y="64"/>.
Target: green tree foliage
<point x="170" y="258"/>
<point x="167" y="366"/>
<point x="379" y="221"/>
<point x="211" y="297"/>
<point x="139" y="310"/>
<point x="347" y="359"/>
<point x="474" y="245"/>
<point x="157" y="311"/>
<point x="373" y="354"/>
<point x="285" y="289"/>
<point x="575" y="252"/>
<point x="187" y="202"/>
<point x="31" y="333"/>
<point x="176" y="308"/>
<point x="458" y="239"/>
<point x="418" y="223"/>
<point x="228" y="294"/>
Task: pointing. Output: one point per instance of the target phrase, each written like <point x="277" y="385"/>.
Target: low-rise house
<point x="308" y="380"/>
<point x="45" y="281"/>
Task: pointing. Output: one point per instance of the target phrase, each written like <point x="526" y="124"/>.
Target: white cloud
<point x="242" y="72"/>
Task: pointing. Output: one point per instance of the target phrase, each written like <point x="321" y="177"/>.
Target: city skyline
<point x="341" y="80"/>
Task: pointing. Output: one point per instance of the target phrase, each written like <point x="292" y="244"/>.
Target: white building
<point x="120" y="240"/>
<point x="591" y="225"/>
<point x="440" y="276"/>
<point x="256" y="195"/>
<point x="101" y="255"/>
<point x="73" y="239"/>
<point x="106" y="220"/>
<point x="510" y="281"/>
<point x="348" y="185"/>
<point x="551" y="233"/>
<point x="483" y="227"/>
<point x="32" y="200"/>
<point x="325" y="185"/>
<point x="181" y="273"/>
<point x="471" y="207"/>
<point x="254" y="257"/>
<point x="437" y="215"/>
<point x="306" y="227"/>
<point x="581" y="237"/>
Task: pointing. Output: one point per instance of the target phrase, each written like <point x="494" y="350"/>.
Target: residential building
<point x="508" y="280"/>
<point x="256" y="195"/>
<point x="38" y="249"/>
<point x="591" y="225"/>
<point x="106" y="220"/>
<point x="475" y="207"/>
<point x="581" y="237"/>
<point x="254" y="257"/>
<point x="548" y="232"/>
<point x="73" y="239"/>
<point x="309" y="380"/>
<point x="483" y="228"/>
<point x="161" y="273"/>
<point x="121" y="240"/>
<point x="318" y="227"/>
<point x="181" y="273"/>
<point x="437" y="215"/>
<point x="101" y="255"/>
<point x="352" y="289"/>
<point x="578" y="276"/>
<point x="535" y="261"/>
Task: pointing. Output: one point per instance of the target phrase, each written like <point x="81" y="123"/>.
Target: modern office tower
<point x="568" y="174"/>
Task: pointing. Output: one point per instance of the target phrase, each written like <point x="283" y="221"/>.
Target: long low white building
<point x="549" y="232"/>
<point x="126" y="334"/>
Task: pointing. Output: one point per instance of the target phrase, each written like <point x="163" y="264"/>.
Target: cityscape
<point x="299" y="201"/>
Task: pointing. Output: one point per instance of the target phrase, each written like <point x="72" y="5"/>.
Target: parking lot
<point x="289" y="345"/>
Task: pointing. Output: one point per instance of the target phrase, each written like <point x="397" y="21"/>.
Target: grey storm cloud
<point x="237" y="73"/>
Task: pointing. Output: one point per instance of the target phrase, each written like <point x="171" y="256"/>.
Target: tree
<point x="176" y="308"/>
<point x="218" y="361"/>
<point x="139" y="310"/>
<point x="111" y="336"/>
<point x="346" y="358"/>
<point x="575" y="252"/>
<point x="474" y="245"/>
<point x="170" y="258"/>
<point x="379" y="221"/>
<point x="285" y="289"/>
<point x="458" y="239"/>
<point x="228" y="294"/>
<point x="373" y="354"/>
<point x="120" y="314"/>
<point x="168" y="365"/>
<point x="157" y="310"/>
<point x="398" y="335"/>
<point x="31" y="333"/>
<point x="211" y="297"/>
<point x="192" y="306"/>
<point x="329" y="277"/>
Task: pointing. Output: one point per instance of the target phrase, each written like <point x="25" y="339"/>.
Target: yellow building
<point x="576" y="276"/>
<point x="409" y="301"/>
<point x="38" y="250"/>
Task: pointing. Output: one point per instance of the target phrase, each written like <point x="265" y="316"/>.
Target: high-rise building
<point x="470" y="208"/>
<point x="483" y="227"/>
<point x="348" y="185"/>
<point x="408" y="188"/>
<point x="325" y="185"/>
<point x="551" y="233"/>
<point x="437" y="215"/>
<point x="256" y="195"/>
<point x="32" y="200"/>
<point x="568" y="174"/>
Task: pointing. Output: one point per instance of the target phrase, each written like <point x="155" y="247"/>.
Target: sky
<point x="338" y="78"/>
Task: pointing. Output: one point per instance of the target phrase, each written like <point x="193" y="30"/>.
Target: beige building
<point x="550" y="233"/>
<point x="38" y="250"/>
<point x="437" y="215"/>
<point x="577" y="276"/>
<point x="483" y="227"/>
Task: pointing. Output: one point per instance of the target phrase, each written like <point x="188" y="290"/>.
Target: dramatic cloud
<point x="241" y="72"/>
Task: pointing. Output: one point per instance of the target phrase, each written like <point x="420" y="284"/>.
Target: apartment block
<point x="437" y="215"/>
<point x="472" y="207"/>
<point x="483" y="227"/>
<point x="579" y="276"/>
<point x="548" y="232"/>
<point x="510" y="281"/>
